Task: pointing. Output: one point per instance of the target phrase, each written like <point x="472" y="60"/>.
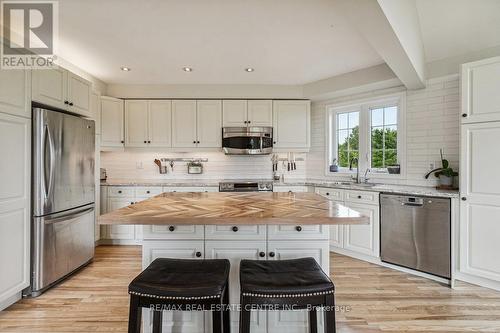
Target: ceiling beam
<point x="392" y="28"/>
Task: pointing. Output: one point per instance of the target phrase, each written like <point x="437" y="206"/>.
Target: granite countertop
<point x="248" y="208"/>
<point x="387" y="188"/>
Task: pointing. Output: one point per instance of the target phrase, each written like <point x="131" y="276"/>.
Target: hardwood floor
<point x="373" y="298"/>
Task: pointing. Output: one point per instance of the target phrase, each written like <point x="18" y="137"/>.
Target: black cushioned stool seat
<point x="280" y="284"/>
<point x="183" y="284"/>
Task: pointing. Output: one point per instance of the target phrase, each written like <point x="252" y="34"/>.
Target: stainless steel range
<point x="246" y="186"/>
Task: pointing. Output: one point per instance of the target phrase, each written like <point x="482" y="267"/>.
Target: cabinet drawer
<point x="330" y="193"/>
<point x="190" y="189"/>
<point x="297" y="232"/>
<point x="121" y="192"/>
<point x="173" y="232"/>
<point x="246" y="232"/>
<point x="148" y="192"/>
<point x="362" y="197"/>
<point x="290" y="188"/>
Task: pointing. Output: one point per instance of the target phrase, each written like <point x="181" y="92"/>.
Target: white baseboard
<point x="479" y="281"/>
<point x="9" y="301"/>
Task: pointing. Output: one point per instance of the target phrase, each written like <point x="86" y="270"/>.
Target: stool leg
<point x="313" y="321"/>
<point x="157" y="321"/>
<point x="244" y="317"/>
<point x="134" y="315"/>
<point x="217" y="322"/>
<point x="330" y="314"/>
<point x="226" y="320"/>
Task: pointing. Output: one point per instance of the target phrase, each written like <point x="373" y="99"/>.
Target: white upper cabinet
<point x="160" y="123"/>
<point x="111" y="122"/>
<point x="14" y="92"/>
<point x="136" y="123"/>
<point x="184" y="124"/>
<point x="95" y="110"/>
<point x="209" y="123"/>
<point x="291" y="124"/>
<point x="49" y="87"/>
<point x="481" y="91"/>
<point x="247" y="113"/>
<point x="234" y="113"/>
<point x="79" y="91"/>
<point x="62" y="89"/>
<point x="260" y="113"/>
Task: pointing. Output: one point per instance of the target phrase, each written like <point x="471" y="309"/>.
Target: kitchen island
<point x="261" y="226"/>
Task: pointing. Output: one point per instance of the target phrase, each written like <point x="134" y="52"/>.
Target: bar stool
<point x="182" y="284"/>
<point x="281" y="284"/>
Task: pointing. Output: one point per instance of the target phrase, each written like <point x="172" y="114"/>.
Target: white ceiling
<point x="456" y="27"/>
<point x="286" y="41"/>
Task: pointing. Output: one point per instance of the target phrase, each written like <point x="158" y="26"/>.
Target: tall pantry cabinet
<point x="479" y="176"/>
<point x="15" y="149"/>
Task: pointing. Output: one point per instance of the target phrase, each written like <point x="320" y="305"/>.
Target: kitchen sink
<point x="355" y="184"/>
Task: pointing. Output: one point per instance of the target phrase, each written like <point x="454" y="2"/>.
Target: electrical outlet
<point x="138" y="165"/>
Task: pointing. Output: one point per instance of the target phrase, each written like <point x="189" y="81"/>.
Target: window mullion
<point x="364" y="129"/>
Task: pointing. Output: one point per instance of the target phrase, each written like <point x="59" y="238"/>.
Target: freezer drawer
<point x="415" y="233"/>
<point x="61" y="243"/>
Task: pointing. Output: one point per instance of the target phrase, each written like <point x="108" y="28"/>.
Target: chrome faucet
<point x="357" y="168"/>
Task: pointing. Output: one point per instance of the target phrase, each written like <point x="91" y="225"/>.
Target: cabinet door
<point x="480" y="86"/>
<point x="480" y="204"/>
<point x="15" y="143"/>
<point x="296" y="321"/>
<point x="136" y="123"/>
<point x="49" y="86"/>
<point x="291" y="124"/>
<point x="260" y="113"/>
<point x="79" y="91"/>
<point x="235" y="251"/>
<point x="95" y="110"/>
<point x="120" y="232"/>
<point x="209" y="124"/>
<point x="363" y="238"/>
<point x="173" y="321"/>
<point x="184" y="124"/>
<point x="234" y="113"/>
<point x="111" y="122"/>
<point x="160" y="123"/>
<point x="14" y="92"/>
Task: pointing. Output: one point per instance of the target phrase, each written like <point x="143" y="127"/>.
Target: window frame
<point x="364" y="108"/>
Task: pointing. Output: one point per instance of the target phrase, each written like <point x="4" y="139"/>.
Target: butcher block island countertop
<point x="235" y="209"/>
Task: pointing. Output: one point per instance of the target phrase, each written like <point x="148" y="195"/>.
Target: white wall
<point x="122" y="166"/>
<point x="433" y="118"/>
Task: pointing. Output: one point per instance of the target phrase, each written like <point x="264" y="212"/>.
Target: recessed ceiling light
<point x="187" y="69"/>
<point x="249" y="69"/>
<point x="125" y="69"/>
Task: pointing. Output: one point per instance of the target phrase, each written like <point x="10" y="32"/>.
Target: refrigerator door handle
<point x="48" y="183"/>
<point x="64" y="216"/>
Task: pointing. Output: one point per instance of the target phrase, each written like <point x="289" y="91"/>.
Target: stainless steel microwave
<point x="247" y="140"/>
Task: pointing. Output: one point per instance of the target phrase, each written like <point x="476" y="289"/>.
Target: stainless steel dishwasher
<point x="415" y="233"/>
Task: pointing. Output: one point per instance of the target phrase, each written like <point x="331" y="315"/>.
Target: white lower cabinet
<point x="355" y="239"/>
<point x="235" y="251"/>
<point x="120" y="232"/>
<point x="174" y="321"/>
<point x="296" y="320"/>
<point x="285" y="188"/>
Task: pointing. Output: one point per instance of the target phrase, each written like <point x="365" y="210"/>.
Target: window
<point x="369" y="132"/>
<point x="384" y="137"/>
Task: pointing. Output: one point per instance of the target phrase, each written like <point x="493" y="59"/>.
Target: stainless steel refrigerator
<point x="63" y="196"/>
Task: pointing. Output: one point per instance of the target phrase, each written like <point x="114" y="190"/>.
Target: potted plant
<point x="445" y="173"/>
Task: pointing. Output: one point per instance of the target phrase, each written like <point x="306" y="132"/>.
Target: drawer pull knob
<point x="298" y="228"/>
<point x="235" y="228"/>
<point x="147" y="192"/>
<point x="327" y="193"/>
<point x="272" y="254"/>
<point x="198" y="254"/>
<point x="145" y="141"/>
<point x="171" y="228"/>
<point x="262" y="254"/>
<point x="464" y="115"/>
<point x="464" y="199"/>
<point x="359" y="197"/>
<point x="119" y="191"/>
<point x="70" y="103"/>
<point x="66" y="102"/>
<point x="132" y="203"/>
